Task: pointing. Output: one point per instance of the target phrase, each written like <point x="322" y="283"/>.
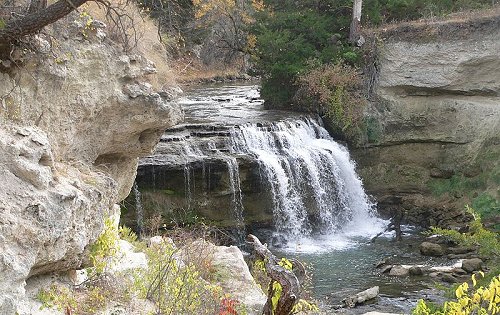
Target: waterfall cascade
<point x="308" y="180"/>
<point x="314" y="185"/>
<point x="138" y="208"/>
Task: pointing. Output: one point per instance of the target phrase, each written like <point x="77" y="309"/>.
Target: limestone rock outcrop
<point x="70" y="135"/>
<point x="238" y="282"/>
<point x="434" y="118"/>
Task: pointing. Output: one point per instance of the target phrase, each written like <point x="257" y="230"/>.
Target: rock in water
<point x="471" y="265"/>
<point x="431" y="249"/>
<point x="399" y="271"/>
<point x="361" y="297"/>
<point x="416" y="271"/>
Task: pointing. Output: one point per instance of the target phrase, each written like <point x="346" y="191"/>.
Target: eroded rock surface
<point x="434" y="122"/>
<point x="71" y="131"/>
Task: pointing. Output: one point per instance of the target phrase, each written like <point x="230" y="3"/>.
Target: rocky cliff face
<point x="180" y="186"/>
<point x="76" y="112"/>
<point x="434" y="123"/>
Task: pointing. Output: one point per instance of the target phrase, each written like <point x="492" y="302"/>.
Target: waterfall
<point x="313" y="182"/>
<point x="245" y="166"/>
<point x="138" y="209"/>
<point x="195" y="152"/>
<point x="235" y="184"/>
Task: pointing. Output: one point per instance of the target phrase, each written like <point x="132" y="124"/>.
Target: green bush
<point x="458" y="184"/>
<point x="486" y="205"/>
<point x="176" y="286"/>
<point x="333" y="91"/>
<point x="103" y="251"/>
<point x="469" y="300"/>
<point x="290" y="35"/>
<point x="487" y="241"/>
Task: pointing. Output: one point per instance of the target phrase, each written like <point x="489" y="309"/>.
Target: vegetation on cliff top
<point x="294" y="41"/>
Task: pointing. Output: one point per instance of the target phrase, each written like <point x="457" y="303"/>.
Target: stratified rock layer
<point x="434" y="122"/>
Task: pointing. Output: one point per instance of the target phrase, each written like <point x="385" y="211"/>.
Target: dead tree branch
<point x="286" y="278"/>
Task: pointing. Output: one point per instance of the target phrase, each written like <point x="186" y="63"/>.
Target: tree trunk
<point x="31" y="23"/>
<point x="356" y="21"/>
<point x="289" y="282"/>
<point x="36" y="5"/>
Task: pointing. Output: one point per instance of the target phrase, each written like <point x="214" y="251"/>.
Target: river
<point x="318" y="210"/>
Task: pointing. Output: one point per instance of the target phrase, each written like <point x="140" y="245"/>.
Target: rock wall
<point x="434" y="121"/>
<point x="76" y="112"/>
<point x="181" y="187"/>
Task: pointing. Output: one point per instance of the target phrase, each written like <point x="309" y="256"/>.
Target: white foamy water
<point x="319" y="201"/>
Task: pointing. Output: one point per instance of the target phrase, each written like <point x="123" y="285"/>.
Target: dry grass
<point x="186" y="69"/>
<point x="148" y="43"/>
<point x="453" y="26"/>
<point x="191" y="70"/>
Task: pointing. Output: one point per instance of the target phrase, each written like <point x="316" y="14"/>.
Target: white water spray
<point x="138" y="209"/>
<point x="315" y="189"/>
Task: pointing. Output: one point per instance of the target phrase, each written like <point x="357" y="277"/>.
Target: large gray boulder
<point x="238" y="282"/>
<point x="399" y="271"/>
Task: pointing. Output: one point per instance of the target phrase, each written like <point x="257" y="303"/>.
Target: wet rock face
<point x="433" y="126"/>
<point x="180" y="188"/>
<point x="70" y="135"/>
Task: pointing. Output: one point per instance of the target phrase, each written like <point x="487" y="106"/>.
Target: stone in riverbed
<point x="431" y="249"/>
<point x="386" y="269"/>
<point x="471" y="265"/>
<point x="399" y="271"/>
<point x="362" y="297"/>
<point x="415" y="271"/>
<point x="459" y="271"/>
<point x="446" y="277"/>
<point x="460" y="250"/>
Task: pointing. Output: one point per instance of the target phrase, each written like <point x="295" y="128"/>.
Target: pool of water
<point x="338" y="273"/>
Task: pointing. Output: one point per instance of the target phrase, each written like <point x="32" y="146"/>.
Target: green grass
<point x="458" y="184"/>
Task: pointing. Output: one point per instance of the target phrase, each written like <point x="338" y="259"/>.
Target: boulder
<point x="459" y="271"/>
<point x="386" y="269"/>
<point x="431" y="249"/>
<point x="415" y="271"/>
<point x="446" y="277"/>
<point x="471" y="265"/>
<point x="236" y="280"/>
<point x="460" y="250"/>
<point x="399" y="271"/>
<point x="128" y="259"/>
<point x="361" y="297"/>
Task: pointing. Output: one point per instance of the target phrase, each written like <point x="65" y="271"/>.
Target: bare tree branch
<point x="32" y="23"/>
<point x="287" y="279"/>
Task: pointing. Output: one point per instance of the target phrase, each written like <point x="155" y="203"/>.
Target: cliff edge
<point x="434" y="118"/>
<point x="77" y="111"/>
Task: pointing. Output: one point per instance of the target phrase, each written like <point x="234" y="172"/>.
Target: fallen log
<point x="286" y="278"/>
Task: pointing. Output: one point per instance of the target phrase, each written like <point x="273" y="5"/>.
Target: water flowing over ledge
<point x="280" y="164"/>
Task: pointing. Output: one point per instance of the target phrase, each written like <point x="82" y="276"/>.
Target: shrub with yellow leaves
<point x="469" y="300"/>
